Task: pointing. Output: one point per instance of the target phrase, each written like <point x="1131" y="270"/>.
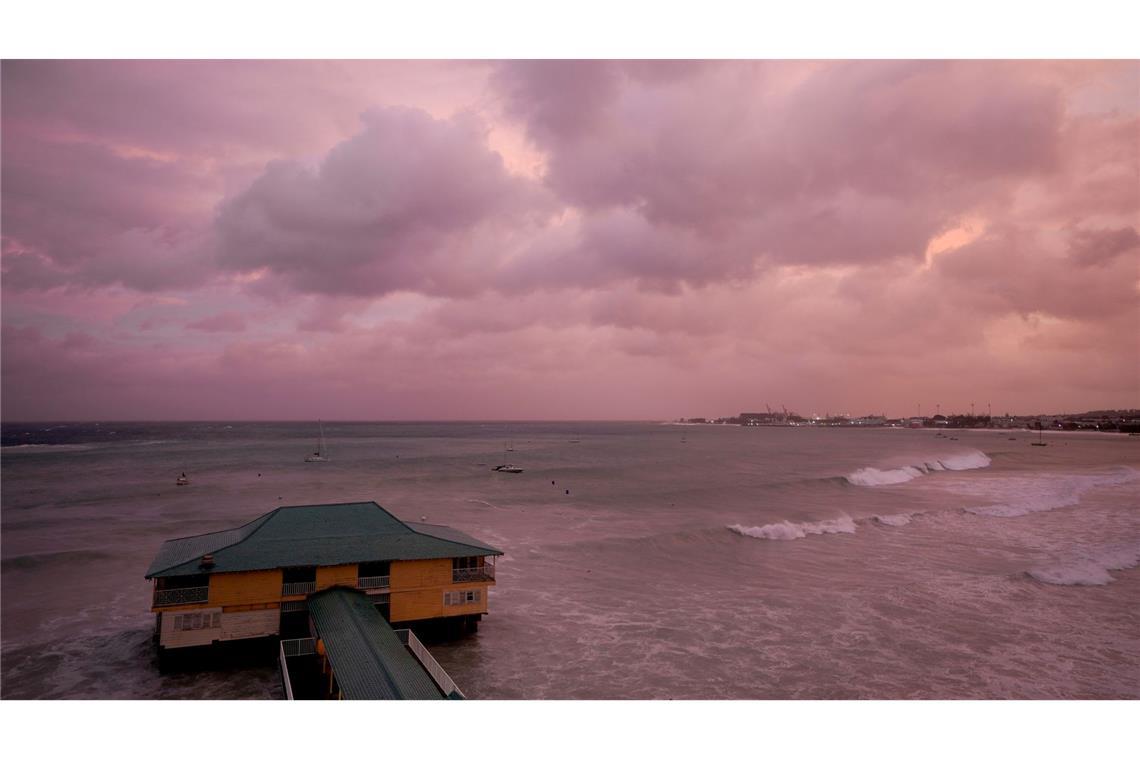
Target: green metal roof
<point x="367" y="658"/>
<point x="319" y="534"/>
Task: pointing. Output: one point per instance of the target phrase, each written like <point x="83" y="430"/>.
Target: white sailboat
<point x="320" y="455"/>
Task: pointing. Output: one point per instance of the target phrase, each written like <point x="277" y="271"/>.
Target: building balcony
<point x="471" y="574"/>
<point x="174" y="596"/>
<point x="371" y="582"/>
<point x="297" y="589"/>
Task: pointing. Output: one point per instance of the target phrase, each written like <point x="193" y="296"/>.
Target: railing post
<point x="285" y="673"/>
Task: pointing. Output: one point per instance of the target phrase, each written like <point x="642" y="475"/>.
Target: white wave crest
<point x="871" y="476"/>
<point x="1089" y="570"/>
<point x="787" y="530"/>
<point x="971" y="460"/>
<point x="895" y="521"/>
<point x="1044" y="494"/>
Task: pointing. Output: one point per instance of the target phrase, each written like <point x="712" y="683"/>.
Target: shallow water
<point x="685" y="561"/>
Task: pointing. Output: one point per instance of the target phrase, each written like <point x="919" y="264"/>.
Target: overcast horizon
<point x="567" y="240"/>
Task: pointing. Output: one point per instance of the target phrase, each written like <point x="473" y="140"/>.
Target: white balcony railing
<point x="434" y="669"/>
<point x="466" y="574"/>
<point x="374" y="581"/>
<point x="298" y="647"/>
<point x="293" y="589"/>
<point x="172" y="596"/>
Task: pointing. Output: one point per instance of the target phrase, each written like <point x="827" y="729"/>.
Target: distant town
<point x="1109" y="420"/>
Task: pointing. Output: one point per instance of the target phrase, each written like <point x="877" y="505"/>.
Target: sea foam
<point x="787" y="530"/>
<point x="895" y="521"/>
<point x="871" y="476"/>
<point x="1047" y="493"/>
<point x="1090" y="569"/>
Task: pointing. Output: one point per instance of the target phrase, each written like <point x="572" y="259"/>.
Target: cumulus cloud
<point x="1092" y="247"/>
<point x="672" y="232"/>
<point x="409" y="203"/>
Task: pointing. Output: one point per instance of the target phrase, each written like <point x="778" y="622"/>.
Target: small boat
<point x="1038" y="442"/>
<point x="182" y="480"/>
<point x="507" y="468"/>
<point x="320" y="454"/>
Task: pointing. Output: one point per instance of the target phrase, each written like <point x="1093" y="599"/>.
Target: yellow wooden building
<point x="254" y="581"/>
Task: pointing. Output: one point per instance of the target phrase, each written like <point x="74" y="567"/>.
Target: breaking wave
<point x="895" y="521"/>
<point x="787" y="530"/>
<point x="1088" y="570"/>
<point x="871" y="476"/>
<point x="1052" y="492"/>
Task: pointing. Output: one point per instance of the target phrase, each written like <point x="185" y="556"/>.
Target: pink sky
<point x="546" y="240"/>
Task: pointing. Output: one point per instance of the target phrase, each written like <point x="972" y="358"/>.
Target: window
<point x="196" y="621"/>
<point x="466" y="563"/>
<point x="454" y="598"/>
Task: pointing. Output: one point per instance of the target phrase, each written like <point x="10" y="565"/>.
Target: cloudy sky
<point x="546" y="240"/>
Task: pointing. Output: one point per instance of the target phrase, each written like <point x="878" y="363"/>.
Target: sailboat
<point x="1038" y="442"/>
<point x="320" y="454"/>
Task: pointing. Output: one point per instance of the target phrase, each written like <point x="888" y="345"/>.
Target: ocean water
<point x="643" y="560"/>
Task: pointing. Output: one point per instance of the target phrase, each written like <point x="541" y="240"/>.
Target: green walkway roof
<point x="320" y="534"/>
<point x="367" y="658"/>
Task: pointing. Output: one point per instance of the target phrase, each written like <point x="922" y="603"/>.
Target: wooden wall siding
<point x="172" y="639"/>
<point x="256" y="587"/>
<point x="419" y="573"/>
<point x="464" y="609"/>
<point x="248" y="625"/>
<point x="428" y="603"/>
<point x="252" y="607"/>
<point x="417" y="594"/>
<point x="336" y="575"/>
<point x="416" y="605"/>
